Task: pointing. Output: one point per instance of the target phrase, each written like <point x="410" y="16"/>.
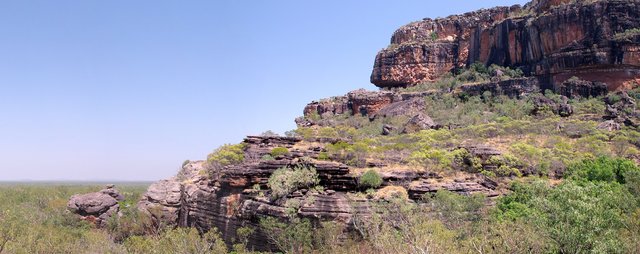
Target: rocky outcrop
<point x="419" y="122"/>
<point x="362" y="102"/>
<point x="239" y="195"/>
<point x="574" y="88"/>
<point x="550" y="39"/>
<point x="622" y="109"/>
<point x="542" y="104"/>
<point x="96" y="207"/>
<point x="514" y="88"/>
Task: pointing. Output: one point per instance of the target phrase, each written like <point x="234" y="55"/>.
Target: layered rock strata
<point x="238" y="195"/>
<point x="552" y="40"/>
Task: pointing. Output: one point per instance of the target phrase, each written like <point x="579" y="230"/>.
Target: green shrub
<point x="602" y="169"/>
<point x="323" y="156"/>
<point x="370" y="179"/>
<point x="279" y="151"/>
<point x="285" y="180"/>
<point x="455" y="209"/>
<point x="267" y="157"/>
<point x="178" y="240"/>
<point x="227" y="155"/>
<point x="295" y="237"/>
<point x="578" y="217"/>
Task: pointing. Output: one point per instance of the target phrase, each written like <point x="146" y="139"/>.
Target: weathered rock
<point x="609" y="125"/>
<point x="459" y="185"/>
<point x="96" y="207"/>
<point x="514" y="88"/>
<point x="163" y="200"/>
<point x="542" y="103"/>
<point x="622" y="109"/>
<point x="387" y="129"/>
<point x="407" y="107"/>
<point x="483" y="152"/>
<point x="550" y="39"/>
<point x="574" y="88"/>
<point x="425" y="50"/>
<point x="419" y="122"/>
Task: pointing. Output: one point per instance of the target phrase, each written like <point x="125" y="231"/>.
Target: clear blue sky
<point x="127" y="90"/>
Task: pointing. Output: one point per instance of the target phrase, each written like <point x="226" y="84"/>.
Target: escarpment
<point x="551" y="40"/>
<point x="470" y="103"/>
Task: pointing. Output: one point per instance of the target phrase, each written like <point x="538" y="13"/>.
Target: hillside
<point x="506" y="130"/>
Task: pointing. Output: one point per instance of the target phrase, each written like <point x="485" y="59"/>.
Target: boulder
<point x="419" y="122"/>
<point x="609" y="125"/>
<point x="96" y="207"/>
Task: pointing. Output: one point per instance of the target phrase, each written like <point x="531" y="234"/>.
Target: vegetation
<point x="370" y="179"/>
<point x="279" y="151"/>
<point x="627" y="34"/>
<point x="34" y="219"/>
<point x="579" y="215"/>
<point x="286" y="180"/>
<point x="227" y="154"/>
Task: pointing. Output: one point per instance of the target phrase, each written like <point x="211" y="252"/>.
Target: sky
<point x="94" y="90"/>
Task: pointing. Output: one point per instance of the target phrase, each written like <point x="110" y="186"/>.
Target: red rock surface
<point x="548" y="38"/>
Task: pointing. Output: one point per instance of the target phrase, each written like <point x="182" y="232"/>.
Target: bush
<point x="279" y="151"/>
<point x="602" y="169"/>
<point x="579" y="217"/>
<point x="285" y="180"/>
<point x="267" y="157"/>
<point x="370" y="179"/>
<point x="227" y="155"/>
<point x="323" y="156"/>
<point x="179" y="240"/>
<point x="295" y="237"/>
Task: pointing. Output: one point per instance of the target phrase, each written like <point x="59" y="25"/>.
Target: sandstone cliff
<point x="238" y="196"/>
<point x="553" y="40"/>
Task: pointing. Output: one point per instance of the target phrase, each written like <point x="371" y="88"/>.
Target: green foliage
<point x="267" y="157"/>
<point x="227" y="155"/>
<point x="433" y="36"/>
<point x="351" y="154"/>
<point x="370" y="179"/>
<point x="178" y="240"/>
<point x="185" y="163"/>
<point x="269" y="133"/>
<point x="285" y="180"/>
<point x="279" y="151"/>
<point x="454" y="209"/>
<point x="34" y="219"/>
<point x="603" y="169"/>
<point x="397" y="226"/>
<point x="133" y="223"/>
<point x="627" y="34"/>
<point x="578" y="216"/>
<point x="294" y="237"/>
<point x="323" y="156"/>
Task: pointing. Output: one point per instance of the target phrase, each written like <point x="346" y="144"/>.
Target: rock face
<point x="578" y="88"/>
<point x="238" y="195"/>
<point x="96" y="207"/>
<point x="549" y="39"/>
